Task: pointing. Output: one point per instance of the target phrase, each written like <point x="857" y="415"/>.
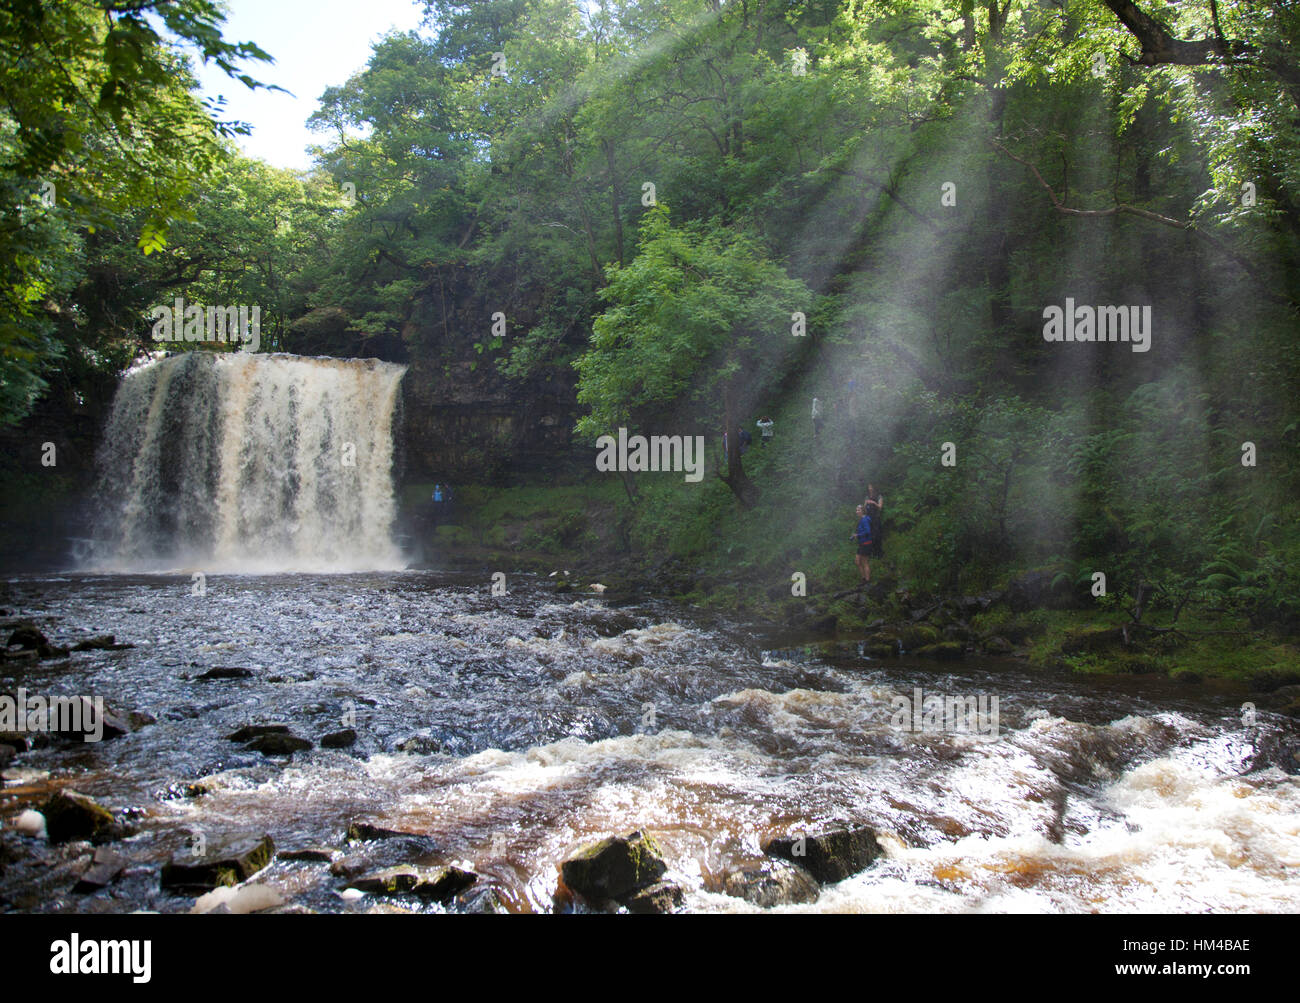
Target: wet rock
<point x="77" y="722"/>
<point x="771" y="883"/>
<point x="27" y="638"/>
<point x="227" y="863"/>
<point x="831" y="855"/>
<point x="71" y="815"/>
<point x="485" y="900"/>
<point x="251" y="731"/>
<point x="947" y="651"/>
<point x="659" y="898"/>
<point x="278" y="744"/>
<point x="613" y="867"/>
<point x="225" y="672"/>
<point x="366" y="831"/>
<point x="339" y="739"/>
<point x="101" y="642"/>
<point x="138" y="719"/>
<point x="437" y="884"/>
<point x="105" y="867"/>
<point x="310" y="854"/>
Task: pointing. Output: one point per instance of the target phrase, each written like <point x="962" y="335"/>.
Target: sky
<point x="316" y="44"/>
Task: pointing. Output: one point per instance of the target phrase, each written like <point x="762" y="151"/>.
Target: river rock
<point x="251" y="731"/>
<point x="481" y="900"/>
<point x="225" y="672"/>
<point x="310" y="854"/>
<point x="101" y="642"/>
<point x="437" y="884"/>
<point x="660" y="898"/>
<point x="339" y="739"/>
<point x="227" y="863"/>
<point x="771" y="883"/>
<point x="71" y="815"/>
<point x="278" y="744"/>
<point x="831" y="855"/>
<point x="368" y="831"/>
<point x="105" y="866"/>
<point x="614" y="867"/>
<point x="27" y="638"/>
<point x="111" y="725"/>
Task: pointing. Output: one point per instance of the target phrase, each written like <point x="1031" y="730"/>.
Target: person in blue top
<point x="863" y="536"/>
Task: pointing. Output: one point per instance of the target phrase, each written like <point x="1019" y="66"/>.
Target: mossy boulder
<point x="829" y="855"/>
<point x="917" y="635"/>
<point x="70" y="815"/>
<point x="614" y="867"/>
<point x="227" y="863"/>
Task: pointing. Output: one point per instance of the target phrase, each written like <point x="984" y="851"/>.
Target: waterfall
<point x="249" y="463"/>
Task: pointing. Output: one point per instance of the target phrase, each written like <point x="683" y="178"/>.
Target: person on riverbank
<point x="765" y="429"/>
<point x="874" y="504"/>
<point x="862" y="534"/>
<point x="816" y="417"/>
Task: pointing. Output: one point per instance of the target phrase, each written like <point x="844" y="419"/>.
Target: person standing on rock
<point x="863" y="537"/>
<point x="816" y="416"/>
<point x="874" y="504"/>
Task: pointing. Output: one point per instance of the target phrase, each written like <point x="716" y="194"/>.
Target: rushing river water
<point x="511" y="729"/>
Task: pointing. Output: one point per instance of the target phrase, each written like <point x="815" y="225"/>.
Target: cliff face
<point x="461" y="424"/>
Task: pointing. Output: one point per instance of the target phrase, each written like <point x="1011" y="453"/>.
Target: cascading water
<point x="249" y="463"/>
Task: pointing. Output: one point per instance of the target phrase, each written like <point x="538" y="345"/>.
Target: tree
<point x="696" y="330"/>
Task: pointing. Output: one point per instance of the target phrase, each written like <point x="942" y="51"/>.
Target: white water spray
<point x="249" y="463"/>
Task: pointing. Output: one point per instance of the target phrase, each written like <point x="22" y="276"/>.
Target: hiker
<point x="863" y="537"/>
<point x="440" y="509"/>
<point x="816" y="417"/>
<point x="765" y="429"/>
<point x="746" y="440"/>
<point x="874" y="504"/>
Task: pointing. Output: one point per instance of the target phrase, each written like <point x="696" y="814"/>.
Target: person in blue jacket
<point x="863" y="537"/>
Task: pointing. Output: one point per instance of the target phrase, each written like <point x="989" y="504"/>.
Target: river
<point x="510" y="729"/>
